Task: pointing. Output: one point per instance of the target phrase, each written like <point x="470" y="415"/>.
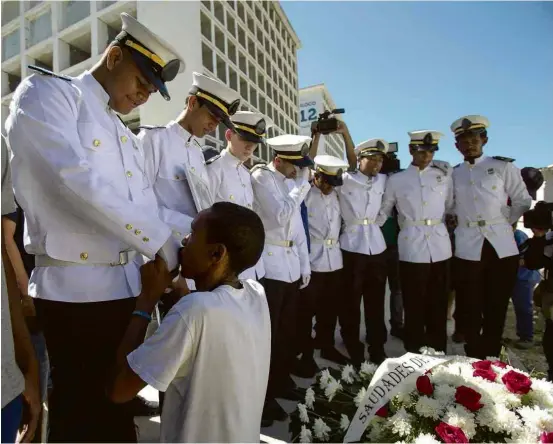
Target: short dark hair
<point x="240" y="230"/>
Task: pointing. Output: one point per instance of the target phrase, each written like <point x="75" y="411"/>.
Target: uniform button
<point x="128" y="227"/>
<point x="270" y="253"/>
<point x="177" y="177"/>
<point x="475" y="198"/>
<point x="472" y="182"/>
<point x="129" y="173"/>
<point x="494" y="188"/>
<point x="178" y="233"/>
<point x="84" y="256"/>
<point x="193" y="169"/>
<point x="146" y="239"/>
<point x="124" y="139"/>
<point x="249" y="205"/>
<point x="310" y="214"/>
<point x="425" y="203"/>
<point x="231" y="197"/>
<point x="96" y="143"/>
<point x="137" y="231"/>
<point x="406" y="237"/>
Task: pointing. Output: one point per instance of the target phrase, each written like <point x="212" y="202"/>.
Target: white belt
<point x="365" y="221"/>
<point x="421" y="223"/>
<point x="327" y="242"/>
<point x="484" y="223"/>
<point x="277" y="243"/>
<point x="46" y="261"/>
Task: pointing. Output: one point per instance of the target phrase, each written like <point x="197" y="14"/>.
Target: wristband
<point x="142" y="314"/>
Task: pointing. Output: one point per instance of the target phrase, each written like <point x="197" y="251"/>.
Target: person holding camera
<point x="422" y="194"/>
<point x="285" y="257"/>
<point x="485" y="248"/>
<point x="539" y="254"/>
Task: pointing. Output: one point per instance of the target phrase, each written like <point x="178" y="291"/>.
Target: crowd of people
<point x="149" y="262"/>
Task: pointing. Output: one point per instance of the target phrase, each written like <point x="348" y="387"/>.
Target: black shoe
<point x="266" y="422"/>
<point x="331" y="354"/>
<point x="292" y="394"/>
<point x="458" y="338"/>
<point x="272" y="411"/>
<point x="356" y="352"/>
<point x="397" y="332"/>
<point x="377" y="356"/>
<point x="142" y="407"/>
<point x="306" y="367"/>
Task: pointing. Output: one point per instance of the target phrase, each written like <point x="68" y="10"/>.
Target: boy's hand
<point x="155" y="279"/>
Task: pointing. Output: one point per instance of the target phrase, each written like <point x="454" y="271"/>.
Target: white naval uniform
<point x="230" y="181"/>
<point x="422" y="197"/>
<point x="176" y="168"/>
<point x="79" y="175"/>
<point x="279" y="209"/>
<point x="481" y="193"/>
<point x="325" y="222"/>
<point x="360" y="199"/>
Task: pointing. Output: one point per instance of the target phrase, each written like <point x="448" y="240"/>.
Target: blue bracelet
<point x="142" y="314"/>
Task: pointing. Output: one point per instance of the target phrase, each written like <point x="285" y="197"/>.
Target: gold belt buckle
<point x="427" y="222"/>
<point x="329" y="241"/>
<point x="481" y="223"/>
<point x="289" y="243"/>
<point x="365" y="221"/>
<point x="123" y="259"/>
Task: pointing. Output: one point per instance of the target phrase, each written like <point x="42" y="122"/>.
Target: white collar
<point x="93" y="85"/>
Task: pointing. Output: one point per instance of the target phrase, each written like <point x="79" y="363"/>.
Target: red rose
<point x="482" y="365"/>
<point x="382" y="411"/>
<point x="490" y="375"/>
<point x="468" y="398"/>
<point x="424" y="385"/>
<point x="516" y="382"/>
<point x="450" y="433"/>
<point x="546" y="437"/>
<point x="499" y="364"/>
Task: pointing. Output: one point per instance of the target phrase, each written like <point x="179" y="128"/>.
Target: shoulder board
<point x="391" y="173"/>
<point x="259" y="166"/>
<point x="458" y="165"/>
<point x="352" y="171"/>
<point x="47" y="72"/>
<point x="444" y="167"/>
<point x="504" y="159"/>
<point x="150" y="127"/>
<point x="212" y="159"/>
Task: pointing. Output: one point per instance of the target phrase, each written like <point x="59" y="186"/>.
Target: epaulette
<point x="47" y="72"/>
<point x="259" y="166"/>
<point x="150" y="127"/>
<point x="504" y="159"/>
<point x="443" y="166"/>
<point x="212" y="159"/>
<point x="457" y="166"/>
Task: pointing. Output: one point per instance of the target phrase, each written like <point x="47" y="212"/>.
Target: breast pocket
<point x="492" y="184"/>
<point x="172" y="179"/>
<point x="101" y="148"/>
<point x="439" y="189"/>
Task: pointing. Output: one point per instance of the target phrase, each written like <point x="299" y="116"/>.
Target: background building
<point x="313" y="101"/>
<point x="249" y="45"/>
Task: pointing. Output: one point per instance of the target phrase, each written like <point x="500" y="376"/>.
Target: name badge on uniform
<point x="491" y="171"/>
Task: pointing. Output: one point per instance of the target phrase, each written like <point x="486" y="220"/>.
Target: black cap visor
<point x="333" y="180"/>
<point x="432" y="148"/>
<point x="246" y="135"/>
<point x="148" y="70"/>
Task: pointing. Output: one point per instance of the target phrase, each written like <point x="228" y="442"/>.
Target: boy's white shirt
<point x="211" y="356"/>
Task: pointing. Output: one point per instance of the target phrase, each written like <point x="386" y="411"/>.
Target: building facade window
<point x="11" y="44"/>
<point x="40" y="29"/>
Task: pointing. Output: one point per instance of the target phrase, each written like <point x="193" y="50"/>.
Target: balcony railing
<point x="73" y="12"/>
<point x="10" y="45"/>
<point x="39" y="29"/>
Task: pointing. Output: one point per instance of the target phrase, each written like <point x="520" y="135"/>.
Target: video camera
<point x="326" y="124"/>
<point x="391" y="163"/>
<point x="541" y="216"/>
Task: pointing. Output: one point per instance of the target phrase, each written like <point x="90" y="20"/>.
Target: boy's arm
<point x="8" y="228"/>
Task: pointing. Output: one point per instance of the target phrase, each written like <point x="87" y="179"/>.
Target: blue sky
<point x="402" y="66"/>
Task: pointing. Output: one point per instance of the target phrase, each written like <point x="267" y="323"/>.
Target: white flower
<point x="344" y="422"/>
<point x="376" y="428"/>
<point x="536" y="419"/>
<point x="444" y="393"/>
<point x="459" y="416"/>
<point x="542" y="393"/>
<point x="360" y="396"/>
<point x="321" y="429"/>
<point x="430" y="351"/>
<point x="368" y="369"/>
<point x="331" y="389"/>
<point x="523" y="436"/>
<point x="305" y="435"/>
<point x="401" y="422"/>
<point x="429" y="407"/>
<point x="325" y="378"/>
<point x="309" y="398"/>
<point x="348" y="373"/>
<point x="425" y="438"/>
<point x="304" y="417"/>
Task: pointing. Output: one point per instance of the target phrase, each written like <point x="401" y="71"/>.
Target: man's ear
<point x="228" y="134"/>
<point x="192" y="102"/>
<point x="484" y="141"/>
<point x="218" y="253"/>
<point x="114" y="57"/>
<point x="411" y="150"/>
